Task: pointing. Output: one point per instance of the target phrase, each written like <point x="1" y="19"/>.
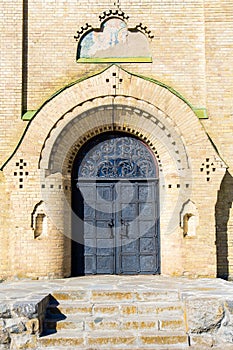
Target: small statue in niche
<point x="39" y="220"/>
<point x="186" y="218"/>
<point x="189" y="219"/>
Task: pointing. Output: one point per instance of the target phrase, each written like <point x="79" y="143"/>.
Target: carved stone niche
<point x="39" y="220"/>
<point x="189" y="219"/>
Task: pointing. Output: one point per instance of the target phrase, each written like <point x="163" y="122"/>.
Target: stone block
<point x="5" y="310"/>
<point x="126" y="310"/>
<point x="102" y="323"/>
<point x="111" y="296"/>
<point x="15" y="326"/>
<point x="84" y="309"/>
<point x="202" y="340"/>
<point x="33" y="326"/>
<point x="71" y="295"/>
<point x="25" y="309"/>
<point x="101" y="309"/>
<point x="139" y="324"/>
<point x="171" y="324"/>
<point x="111" y="340"/>
<point x="4" y="337"/>
<point x="23" y="342"/>
<point x="164" y="339"/>
<point x="62" y="339"/>
<point x="204" y="314"/>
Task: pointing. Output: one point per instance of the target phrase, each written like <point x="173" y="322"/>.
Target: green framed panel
<point x="116" y="60"/>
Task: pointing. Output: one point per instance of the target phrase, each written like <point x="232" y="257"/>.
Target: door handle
<point x="126" y="225"/>
<point x="111" y="225"/>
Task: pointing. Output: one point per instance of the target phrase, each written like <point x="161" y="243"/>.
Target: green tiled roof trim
<point x="200" y="112"/>
<point x="28" y="115"/>
<point x="35" y="112"/>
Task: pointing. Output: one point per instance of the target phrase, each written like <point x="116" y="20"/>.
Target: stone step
<point x="160" y="309"/>
<point x="62" y="338"/>
<point x="84" y="309"/>
<point x="108" y="323"/>
<point x="136" y="347"/>
<point x="131" y="347"/>
<point x="177" y="339"/>
<point x="171" y="324"/>
<point x="71" y="322"/>
<point x="143" y="323"/>
<point x="124" y="309"/>
<point x="116" y="296"/>
<point x="78" y="295"/>
<point x="147" y="323"/>
<point x="114" y="319"/>
<point x="154" y="347"/>
<point x="112" y="339"/>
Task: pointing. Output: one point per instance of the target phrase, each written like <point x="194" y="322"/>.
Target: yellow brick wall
<point x="178" y="59"/>
<point x="11" y="126"/>
<point x="219" y="75"/>
<point x="192" y="53"/>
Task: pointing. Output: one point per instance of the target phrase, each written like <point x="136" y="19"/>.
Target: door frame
<point x="77" y="253"/>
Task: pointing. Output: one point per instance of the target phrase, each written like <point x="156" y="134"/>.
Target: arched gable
<point x="117" y="101"/>
<point x="112" y="83"/>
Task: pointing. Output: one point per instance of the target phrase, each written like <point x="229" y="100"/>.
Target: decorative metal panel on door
<point x="117" y="180"/>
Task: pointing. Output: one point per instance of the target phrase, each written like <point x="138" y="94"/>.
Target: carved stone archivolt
<point x="72" y="127"/>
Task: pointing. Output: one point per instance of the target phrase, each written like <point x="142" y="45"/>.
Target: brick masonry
<point x="191" y="52"/>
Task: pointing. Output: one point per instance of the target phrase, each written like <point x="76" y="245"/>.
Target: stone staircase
<point x="114" y="319"/>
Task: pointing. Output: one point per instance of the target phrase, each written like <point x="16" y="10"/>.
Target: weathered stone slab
<point x="204" y="314"/>
<point x="225" y="331"/>
<point x="15" y="326"/>
<point x="5" y="310"/>
<point x="26" y="309"/>
<point x="22" y="342"/>
<point x="4" y="336"/>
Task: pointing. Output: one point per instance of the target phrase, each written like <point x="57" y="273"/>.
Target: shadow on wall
<point x="222" y="216"/>
<point x="25" y="58"/>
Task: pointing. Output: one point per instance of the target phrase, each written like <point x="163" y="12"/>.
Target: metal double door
<point x="121" y="227"/>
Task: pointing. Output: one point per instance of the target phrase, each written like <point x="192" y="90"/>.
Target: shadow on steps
<point x="52" y="316"/>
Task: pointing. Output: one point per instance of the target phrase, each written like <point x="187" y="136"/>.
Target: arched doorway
<point x="115" y="204"/>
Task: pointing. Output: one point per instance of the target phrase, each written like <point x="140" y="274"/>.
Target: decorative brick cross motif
<point x="208" y="167"/>
<point x="115" y="80"/>
<point x="21" y="173"/>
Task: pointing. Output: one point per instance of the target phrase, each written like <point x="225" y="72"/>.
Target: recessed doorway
<point x="115" y="204"/>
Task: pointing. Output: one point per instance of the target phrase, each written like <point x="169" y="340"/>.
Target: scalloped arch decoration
<point x="113" y="42"/>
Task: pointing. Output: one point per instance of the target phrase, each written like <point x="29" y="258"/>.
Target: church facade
<point x="116" y="138"/>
